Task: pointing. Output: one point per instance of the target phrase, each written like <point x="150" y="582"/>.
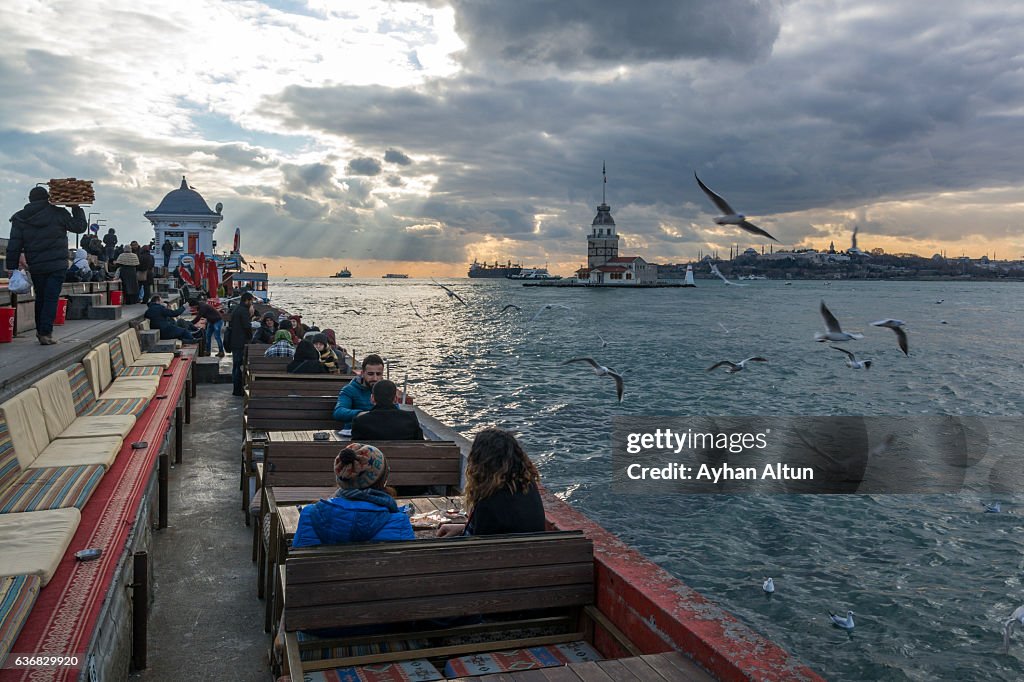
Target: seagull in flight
<point x="351" y="310"/>
<point x="844" y="623"/>
<point x="730" y="216"/>
<point x="851" y="360"/>
<point x="451" y="294"/>
<point x="733" y="367"/>
<point x="602" y="371"/>
<point x="1015" y="620"/>
<point x="993" y="508"/>
<point x="549" y="306"/>
<point x="896" y="326"/>
<point x="769" y="586"/>
<point x="416" y="311"/>
<point x="716" y="271"/>
<point x="511" y="305"/>
<point x="834" y="333"/>
<point x="604" y="344"/>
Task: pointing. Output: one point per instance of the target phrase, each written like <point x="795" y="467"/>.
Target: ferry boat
<point x="496" y="271"/>
<point x="752" y="278"/>
<point x="342" y="274"/>
<point x="535" y="274"/>
<point x="392" y="275"/>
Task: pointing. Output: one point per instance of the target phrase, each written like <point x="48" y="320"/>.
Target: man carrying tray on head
<point x="40" y="232"/>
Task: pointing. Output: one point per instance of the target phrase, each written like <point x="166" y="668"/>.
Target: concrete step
<point x="105" y="312"/>
<point x="148" y="339"/>
<point x="79" y="304"/>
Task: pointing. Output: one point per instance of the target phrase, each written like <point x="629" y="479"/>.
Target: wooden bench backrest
<point x="396" y="582"/>
<point x="412" y="463"/>
<point x="269" y="384"/>
<point x="283" y="413"/>
<point x="254" y="350"/>
<point x="262" y="364"/>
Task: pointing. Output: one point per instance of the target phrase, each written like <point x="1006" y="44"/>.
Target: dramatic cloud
<point x="395" y="156"/>
<point x="364" y="166"/>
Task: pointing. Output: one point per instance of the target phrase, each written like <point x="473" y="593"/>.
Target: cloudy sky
<point x="417" y="136"/>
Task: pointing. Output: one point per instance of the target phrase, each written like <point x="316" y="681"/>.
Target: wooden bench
<point x="537" y="580"/>
<point x="269" y="384"/>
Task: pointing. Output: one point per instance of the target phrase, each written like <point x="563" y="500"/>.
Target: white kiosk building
<point x="186" y="220"/>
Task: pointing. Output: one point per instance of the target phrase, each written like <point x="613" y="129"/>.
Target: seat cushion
<point x="24" y="416"/>
<point x="81" y="388"/>
<point x="17" y="596"/>
<point x="70" y="452"/>
<point x="94" y="369"/>
<point x="132" y="406"/>
<point x="117" y="357"/>
<point x="521" y="659"/>
<point x="118" y="390"/>
<point x="154" y="360"/>
<point x="57" y="402"/>
<point x="117" y="425"/>
<point x="34" y="542"/>
<point x="142" y="371"/>
<point x="54" y="488"/>
<point x="10" y="467"/>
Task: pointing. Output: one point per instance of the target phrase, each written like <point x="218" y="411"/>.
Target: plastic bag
<point x="19" y="283"/>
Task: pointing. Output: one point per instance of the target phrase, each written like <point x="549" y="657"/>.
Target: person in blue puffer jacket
<point x="362" y="508"/>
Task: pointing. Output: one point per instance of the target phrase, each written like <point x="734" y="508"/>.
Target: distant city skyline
<point x="414" y="136"/>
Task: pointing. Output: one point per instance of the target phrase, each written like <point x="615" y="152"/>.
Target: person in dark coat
<point x="385" y="420"/>
<point x="306" y="360"/>
<point x="268" y="327"/>
<point x="214" y="324"/>
<point x="167" y="249"/>
<point x="161" y="317"/>
<point x="39" y="230"/>
<point x="145" y="272"/>
<point x="238" y="334"/>
<point x="128" y="263"/>
<point x="109" y="244"/>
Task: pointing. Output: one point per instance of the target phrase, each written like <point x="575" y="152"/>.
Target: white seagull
<point x="769" y="586"/>
<point x="733" y="367"/>
<point x="896" y="326"/>
<point x="730" y="216"/>
<point x="604" y="344"/>
<point x="1015" y="620"/>
<point x="724" y="329"/>
<point x="716" y="271"/>
<point x="416" y="311"/>
<point x="602" y="371"/>
<point x="851" y="360"/>
<point x="451" y="294"/>
<point x="845" y="623"/>
<point x="834" y="333"/>
<point x="993" y="508"/>
<point x="549" y="306"/>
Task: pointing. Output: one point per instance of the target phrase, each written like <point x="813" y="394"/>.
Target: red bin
<point x="115" y="297"/>
<point x="6" y="324"/>
<point x="62" y="311"/>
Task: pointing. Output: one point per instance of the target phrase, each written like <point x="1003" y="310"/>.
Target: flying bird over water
<point x="730" y="216"/>
<point x="834" y="333"/>
<point x="1014" y="621"/>
<point x="993" y="508"/>
<point x="416" y="311"/>
<point x="351" y="310"/>
<point x="602" y="371"/>
<point x="451" y="294"/>
<point x="511" y="305"/>
<point x="851" y="360"/>
<point x="845" y="623"/>
<point x="733" y="367"/>
<point x="716" y="271"/>
<point x="549" y="306"/>
<point x="896" y="326"/>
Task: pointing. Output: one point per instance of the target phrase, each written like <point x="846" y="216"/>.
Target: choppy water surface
<point x="931" y="578"/>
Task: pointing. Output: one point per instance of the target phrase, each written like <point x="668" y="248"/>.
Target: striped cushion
<point x="81" y="389"/>
<point x="141" y="372"/>
<point x="17" y="595"/>
<point x="117" y="363"/>
<point x="51" y="488"/>
<point x="109" y="406"/>
<point x="9" y="467"/>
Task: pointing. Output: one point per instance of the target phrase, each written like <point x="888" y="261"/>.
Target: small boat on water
<point x="342" y="274"/>
<point x="392" y="275"/>
<point x="535" y="274"/>
<point x="752" y="278"/>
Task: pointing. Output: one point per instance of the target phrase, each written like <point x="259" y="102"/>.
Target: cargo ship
<point x="395" y="275"/>
<point x="342" y="274"/>
<point x="495" y="271"/>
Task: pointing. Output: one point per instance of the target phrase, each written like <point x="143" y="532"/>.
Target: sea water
<point x="931" y="578"/>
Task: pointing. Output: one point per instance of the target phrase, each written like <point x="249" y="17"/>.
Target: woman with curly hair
<point x="502" y="494"/>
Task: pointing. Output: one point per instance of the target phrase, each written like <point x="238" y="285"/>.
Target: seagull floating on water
<point x="896" y="326"/>
<point x="602" y="371"/>
<point x="1015" y="620"/>
<point x="845" y="623"/>
<point x="993" y="508"/>
<point x="716" y="271"/>
<point x="730" y="216"/>
<point x="733" y="367"/>
<point x="769" y="586"/>
<point x="851" y="360"/>
<point x="834" y="333"/>
<point x="549" y="306"/>
<point x="451" y="294"/>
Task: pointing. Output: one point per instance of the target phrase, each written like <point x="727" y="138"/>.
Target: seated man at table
<point x="362" y="509"/>
<point x="385" y="421"/>
<point x="355" y="397"/>
<point x="161" y="317"/>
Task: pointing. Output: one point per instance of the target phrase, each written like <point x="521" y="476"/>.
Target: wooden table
<point x="281" y="510"/>
<point x="303" y="436"/>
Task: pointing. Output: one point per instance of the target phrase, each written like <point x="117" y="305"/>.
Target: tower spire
<point x="604" y="180"/>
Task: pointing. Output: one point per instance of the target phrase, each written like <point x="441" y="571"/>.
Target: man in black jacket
<point x="109" y="244"/>
<point x="385" y="421"/>
<point x="40" y="231"/>
<point x="145" y="272"/>
<point x="238" y="334"/>
<point x="168" y="249"/>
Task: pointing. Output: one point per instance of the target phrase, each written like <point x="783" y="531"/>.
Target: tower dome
<point x="604" y="215"/>
<point x="182" y="201"/>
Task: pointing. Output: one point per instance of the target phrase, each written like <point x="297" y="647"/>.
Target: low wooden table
<point x="303" y="436"/>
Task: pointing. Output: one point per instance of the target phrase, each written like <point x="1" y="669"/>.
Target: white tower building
<point x="603" y="241"/>
<point x="186" y="220"/>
